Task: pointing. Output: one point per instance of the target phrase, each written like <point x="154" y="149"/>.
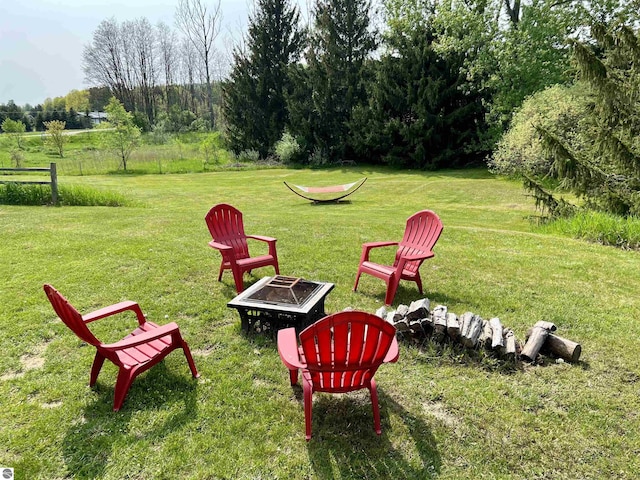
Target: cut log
<point x="485" y="335"/>
<point x="472" y="326"/>
<point x="561" y="347"/>
<point x="550" y="327"/>
<point x="439" y="316"/>
<point x="453" y="326"/>
<point x="539" y="334"/>
<point x="416" y="328"/>
<point x="401" y="313"/>
<point x="418" y="309"/>
<point x="382" y="312"/>
<point x="427" y="324"/>
<point x="465" y="322"/>
<point x="510" y="345"/>
<point x="497" y="340"/>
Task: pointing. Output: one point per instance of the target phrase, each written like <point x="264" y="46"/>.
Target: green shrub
<point x="287" y="148"/>
<point x="557" y="109"/>
<point x="250" y="156"/>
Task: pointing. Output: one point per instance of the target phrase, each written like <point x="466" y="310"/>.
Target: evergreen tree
<point x="254" y="102"/>
<point x="423" y="112"/>
<point x="340" y="45"/>
<point x="609" y="178"/>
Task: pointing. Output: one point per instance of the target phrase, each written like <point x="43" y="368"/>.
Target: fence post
<point x="54" y="184"/>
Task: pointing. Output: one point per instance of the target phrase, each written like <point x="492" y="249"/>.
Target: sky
<point x="41" y="41"/>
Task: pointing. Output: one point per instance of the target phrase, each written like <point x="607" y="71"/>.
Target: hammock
<point x="333" y="193"/>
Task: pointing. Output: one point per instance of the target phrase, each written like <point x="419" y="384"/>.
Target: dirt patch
<point x="206" y="350"/>
<point x="51" y="404"/>
<point x="438" y="411"/>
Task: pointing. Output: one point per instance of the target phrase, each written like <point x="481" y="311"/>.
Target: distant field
<point x="85" y="154"/>
<point x="446" y="413"/>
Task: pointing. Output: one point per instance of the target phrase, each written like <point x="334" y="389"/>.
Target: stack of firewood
<point x="419" y="321"/>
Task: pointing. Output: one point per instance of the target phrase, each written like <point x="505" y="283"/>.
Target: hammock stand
<point x="342" y="191"/>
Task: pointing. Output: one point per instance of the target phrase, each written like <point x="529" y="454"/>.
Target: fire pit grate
<point x="282" y="290"/>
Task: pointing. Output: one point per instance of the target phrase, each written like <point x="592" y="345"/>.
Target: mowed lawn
<point x="446" y="413"/>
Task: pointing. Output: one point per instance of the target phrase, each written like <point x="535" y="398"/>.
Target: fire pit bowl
<point x="280" y="302"/>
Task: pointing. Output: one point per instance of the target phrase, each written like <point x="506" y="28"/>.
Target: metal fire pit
<point x="280" y="302"/>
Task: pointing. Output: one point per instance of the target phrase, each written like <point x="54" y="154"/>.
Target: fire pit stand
<point x="279" y="302"/>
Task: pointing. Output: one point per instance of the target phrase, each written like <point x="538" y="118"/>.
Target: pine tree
<point x="423" y="112"/>
<point x="609" y="178"/>
<point x="254" y="102"/>
<point x="340" y="45"/>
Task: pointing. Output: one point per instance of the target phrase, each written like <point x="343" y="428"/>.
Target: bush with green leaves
<point x="248" y="156"/>
<point x="287" y="148"/>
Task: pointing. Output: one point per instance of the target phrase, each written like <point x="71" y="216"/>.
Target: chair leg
<point x="125" y="377"/>
<point x="221" y="271"/>
<point x="308" y="404"/>
<point x="392" y="287"/>
<point x="237" y="278"/>
<point x="293" y="376"/>
<point x="419" y="282"/>
<point x="376" y="408"/>
<point x="355" y="287"/>
<point x="192" y="365"/>
<point x="98" y="361"/>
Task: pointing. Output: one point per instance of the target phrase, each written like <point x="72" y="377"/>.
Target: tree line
<point x="434" y="85"/>
<point x="411" y="83"/>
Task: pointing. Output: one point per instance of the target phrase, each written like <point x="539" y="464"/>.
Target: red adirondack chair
<point x="140" y="350"/>
<point x="421" y="234"/>
<point x="227" y="229"/>
<point x="339" y="353"/>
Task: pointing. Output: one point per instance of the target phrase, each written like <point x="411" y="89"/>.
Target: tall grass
<point x="73" y="195"/>
<point x="598" y="227"/>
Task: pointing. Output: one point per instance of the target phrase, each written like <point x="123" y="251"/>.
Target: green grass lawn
<point x="446" y="413"/>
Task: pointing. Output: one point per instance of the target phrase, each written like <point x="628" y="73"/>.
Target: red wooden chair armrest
<point x="424" y="256"/>
<point x="145" y="337"/>
<point x="221" y="246"/>
<point x="366" y="248"/>
<point x="370" y="245"/>
<point x="393" y="353"/>
<point x="288" y="348"/>
<point x="262" y="238"/>
<point x="404" y="259"/>
<point x="113" y="310"/>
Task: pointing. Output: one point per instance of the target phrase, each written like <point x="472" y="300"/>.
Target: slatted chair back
<point x="70" y="316"/>
<point x="343" y="351"/>
<point x="226" y="226"/>
<point x="420" y="235"/>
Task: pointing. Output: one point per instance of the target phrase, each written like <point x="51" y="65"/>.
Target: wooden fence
<point x="52" y="172"/>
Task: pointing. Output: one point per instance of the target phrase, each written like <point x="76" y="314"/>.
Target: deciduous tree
<point x="14" y="128"/>
<point x="201" y="26"/>
<point x="55" y="135"/>
<point x="125" y="136"/>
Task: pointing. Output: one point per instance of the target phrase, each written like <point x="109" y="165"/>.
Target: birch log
<point x="561" y="347"/>
<point x="439" y="316"/>
<point x="418" y="310"/>
<point x="453" y="325"/>
<point x="497" y="340"/>
<point x="539" y="334"/>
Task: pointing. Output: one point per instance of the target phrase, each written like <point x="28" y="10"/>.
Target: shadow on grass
<point x="90" y="442"/>
<point x="344" y="444"/>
